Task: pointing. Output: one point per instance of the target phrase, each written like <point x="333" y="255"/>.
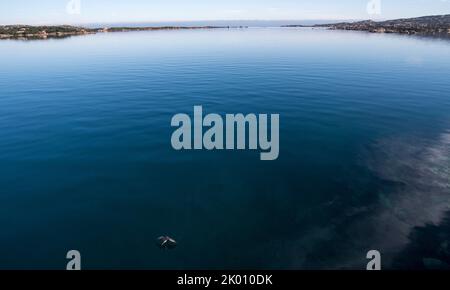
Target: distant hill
<point x="439" y="24"/>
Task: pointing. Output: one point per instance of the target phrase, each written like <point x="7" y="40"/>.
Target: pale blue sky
<point x="55" y="12"/>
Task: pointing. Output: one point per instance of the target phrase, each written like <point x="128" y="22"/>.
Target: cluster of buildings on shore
<point x="404" y="29"/>
<point x="430" y="25"/>
<point x="43" y="32"/>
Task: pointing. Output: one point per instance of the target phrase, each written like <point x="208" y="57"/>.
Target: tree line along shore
<point x="43" y="32"/>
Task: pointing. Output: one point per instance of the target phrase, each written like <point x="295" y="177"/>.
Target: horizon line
<point x="177" y="21"/>
<point x="74" y="23"/>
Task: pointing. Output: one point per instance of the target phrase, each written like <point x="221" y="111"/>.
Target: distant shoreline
<point x="426" y="25"/>
<point x="28" y="32"/>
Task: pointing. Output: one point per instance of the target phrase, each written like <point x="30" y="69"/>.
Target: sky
<point x="110" y="11"/>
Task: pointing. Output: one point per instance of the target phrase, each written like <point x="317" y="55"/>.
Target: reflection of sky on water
<point x="409" y="216"/>
<point x="422" y="170"/>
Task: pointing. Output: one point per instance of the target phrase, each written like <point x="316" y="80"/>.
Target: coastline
<point x="27" y="32"/>
<point x="438" y="25"/>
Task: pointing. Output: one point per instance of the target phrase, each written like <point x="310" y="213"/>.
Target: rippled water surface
<point x="86" y="161"/>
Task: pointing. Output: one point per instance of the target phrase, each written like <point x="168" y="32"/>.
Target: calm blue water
<point x="86" y="161"/>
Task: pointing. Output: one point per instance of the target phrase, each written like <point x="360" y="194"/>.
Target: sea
<point x="86" y="161"/>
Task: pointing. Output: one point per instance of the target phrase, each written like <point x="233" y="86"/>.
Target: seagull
<point x="166" y="242"/>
